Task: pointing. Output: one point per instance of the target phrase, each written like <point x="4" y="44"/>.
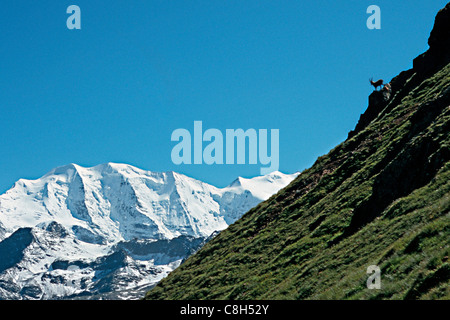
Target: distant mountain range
<point x="113" y="230"/>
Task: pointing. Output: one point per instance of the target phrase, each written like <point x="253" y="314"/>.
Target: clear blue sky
<point x="137" y="70"/>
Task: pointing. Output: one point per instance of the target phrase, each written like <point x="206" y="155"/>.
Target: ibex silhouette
<point x="376" y="84"/>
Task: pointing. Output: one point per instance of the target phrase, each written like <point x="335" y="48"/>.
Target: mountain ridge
<point x="103" y="231"/>
<point x="78" y="178"/>
<point x="382" y="197"/>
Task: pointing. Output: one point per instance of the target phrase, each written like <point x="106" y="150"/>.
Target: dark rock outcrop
<point x="12" y="248"/>
<point x="424" y="66"/>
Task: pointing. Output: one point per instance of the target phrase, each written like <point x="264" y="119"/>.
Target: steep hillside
<point x="381" y="198"/>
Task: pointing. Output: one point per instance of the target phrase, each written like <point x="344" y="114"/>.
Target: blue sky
<point x="115" y="90"/>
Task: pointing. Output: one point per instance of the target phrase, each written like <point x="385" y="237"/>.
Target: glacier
<point x="112" y="231"/>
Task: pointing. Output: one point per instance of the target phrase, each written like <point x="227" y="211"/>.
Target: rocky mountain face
<point x="381" y="198"/>
<point x="111" y="231"/>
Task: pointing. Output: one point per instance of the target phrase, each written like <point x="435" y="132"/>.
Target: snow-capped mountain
<point x="113" y="230"/>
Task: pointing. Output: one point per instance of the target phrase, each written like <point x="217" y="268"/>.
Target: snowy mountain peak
<point x="119" y="201"/>
<point x="262" y="187"/>
<point x="81" y="214"/>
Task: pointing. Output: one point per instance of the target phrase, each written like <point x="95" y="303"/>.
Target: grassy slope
<point x="381" y="197"/>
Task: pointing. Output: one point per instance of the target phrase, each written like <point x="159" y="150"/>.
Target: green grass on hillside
<point x="380" y="198"/>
